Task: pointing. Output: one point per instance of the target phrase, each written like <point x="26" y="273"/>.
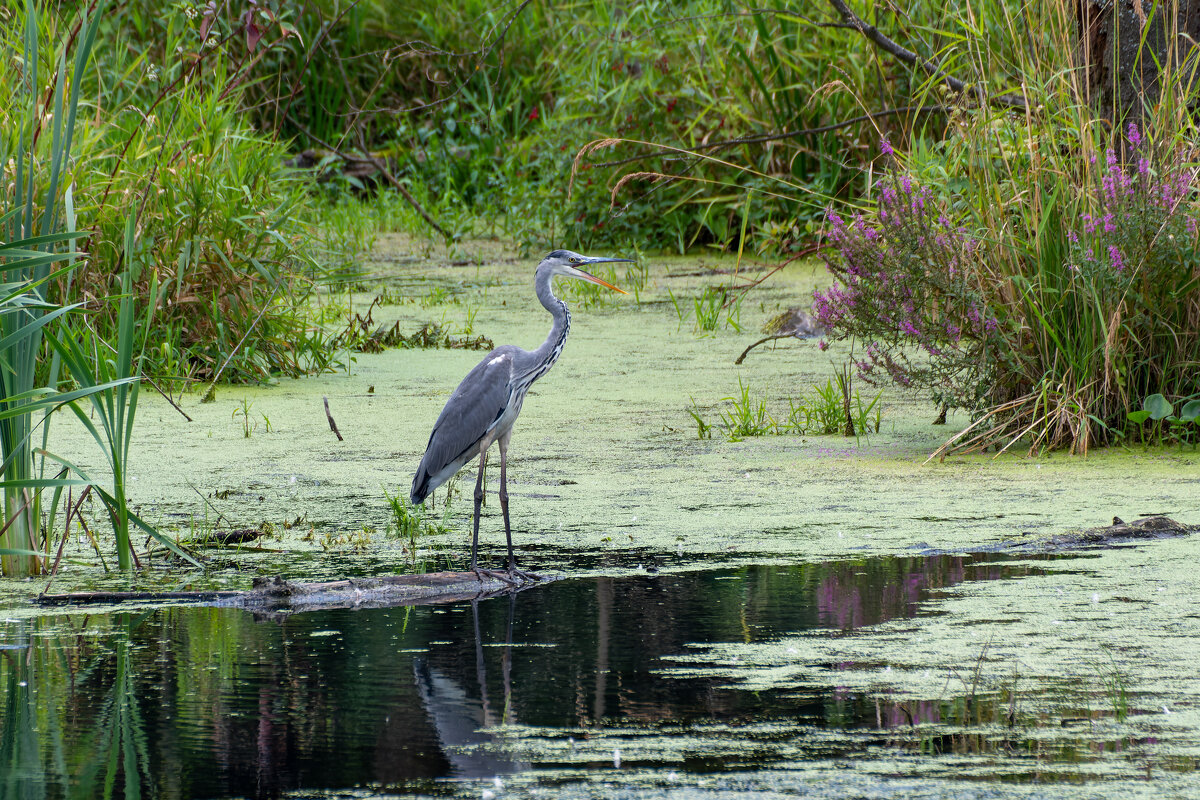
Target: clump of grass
<point x="709" y="309"/>
<point x="745" y="416"/>
<point x="826" y="410"/>
<point x="411" y="522"/>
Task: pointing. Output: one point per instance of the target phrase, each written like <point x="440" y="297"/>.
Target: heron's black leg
<point x="513" y="570"/>
<point x="482" y="573"/>
<point x="478" y="503"/>
<point x="512" y="561"/>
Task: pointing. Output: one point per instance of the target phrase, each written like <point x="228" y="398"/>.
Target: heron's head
<point x="574" y="265"/>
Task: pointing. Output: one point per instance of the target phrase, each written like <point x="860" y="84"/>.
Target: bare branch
<point x="379" y="164"/>
<point x="872" y="33"/>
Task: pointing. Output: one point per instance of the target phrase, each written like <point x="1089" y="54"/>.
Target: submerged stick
<point x="332" y="425"/>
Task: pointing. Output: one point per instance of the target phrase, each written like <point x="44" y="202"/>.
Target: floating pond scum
<point x="925" y="675"/>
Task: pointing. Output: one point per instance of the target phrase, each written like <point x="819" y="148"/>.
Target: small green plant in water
<point x="708" y="309"/>
<point x="438" y="295"/>
<point x="703" y="429"/>
<point x="249" y="424"/>
<point x="1116" y="687"/>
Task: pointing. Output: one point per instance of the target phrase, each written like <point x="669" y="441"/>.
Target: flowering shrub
<point x="1052" y="324"/>
<point x="908" y="289"/>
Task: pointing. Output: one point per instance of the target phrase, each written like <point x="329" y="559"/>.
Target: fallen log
<point x="278" y="594"/>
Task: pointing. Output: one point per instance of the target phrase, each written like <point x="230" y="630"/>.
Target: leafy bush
<point x="223" y="225"/>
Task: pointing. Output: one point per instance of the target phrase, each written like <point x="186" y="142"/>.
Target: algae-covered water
<point x="781" y="616"/>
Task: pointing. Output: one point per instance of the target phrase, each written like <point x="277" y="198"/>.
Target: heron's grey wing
<point x="472" y="410"/>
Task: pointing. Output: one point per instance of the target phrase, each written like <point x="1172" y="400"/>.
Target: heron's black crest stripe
<point x="559" y="254"/>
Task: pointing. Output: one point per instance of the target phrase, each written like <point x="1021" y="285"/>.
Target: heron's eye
<point x="574" y="260"/>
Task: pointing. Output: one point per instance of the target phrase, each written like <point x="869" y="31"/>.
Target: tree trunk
<point x="1129" y="47"/>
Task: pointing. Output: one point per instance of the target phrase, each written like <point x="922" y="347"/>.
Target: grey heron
<point x="485" y="405"/>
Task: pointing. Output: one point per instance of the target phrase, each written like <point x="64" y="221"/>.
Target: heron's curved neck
<point x="550" y="349"/>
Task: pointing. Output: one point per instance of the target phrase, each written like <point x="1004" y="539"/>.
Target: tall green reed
<point x="30" y="221"/>
<point x="112" y="378"/>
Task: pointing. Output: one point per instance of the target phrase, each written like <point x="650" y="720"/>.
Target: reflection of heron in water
<point x="457" y="717"/>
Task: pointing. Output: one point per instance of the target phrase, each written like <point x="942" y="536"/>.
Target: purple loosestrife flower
<point x="886" y="147"/>
<point x="975" y="317"/>
<point x="1134" y="135"/>
<point x="822" y="345"/>
<point x="1114" y="256"/>
<point x="1109" y="227"/>
<point x="1110" y="188"/>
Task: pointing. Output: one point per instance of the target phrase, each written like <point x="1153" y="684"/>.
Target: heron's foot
<point x="516" y="572"/>
<point x="494" y="574"/>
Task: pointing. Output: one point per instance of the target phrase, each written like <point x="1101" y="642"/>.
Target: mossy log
<point x="278" y="594"/>
<point x="1122" y="532"/>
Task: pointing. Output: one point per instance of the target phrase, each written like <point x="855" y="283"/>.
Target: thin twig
<point x="212" y="386"/>
<point x="764" y="340"/>
<point x="71" y="509"/>
<point x="216" y="511"/>
<point x="159" y="389"/>
<point x="808" y="250"/>
<point x="773" y="137"/>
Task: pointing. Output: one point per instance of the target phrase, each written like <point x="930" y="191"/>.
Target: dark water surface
<point x="201" y="702"/>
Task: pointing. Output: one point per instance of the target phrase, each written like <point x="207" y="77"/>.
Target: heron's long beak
<point x="587" y="276"/>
